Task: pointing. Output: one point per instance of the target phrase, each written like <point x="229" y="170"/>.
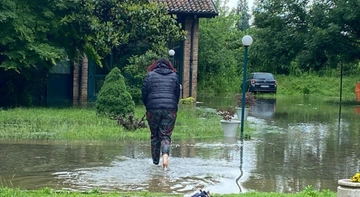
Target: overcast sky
<point x="232" y="3"/>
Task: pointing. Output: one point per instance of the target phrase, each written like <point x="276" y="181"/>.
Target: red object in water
<point x="357" y="91"/>
<point x="357" y="110"/>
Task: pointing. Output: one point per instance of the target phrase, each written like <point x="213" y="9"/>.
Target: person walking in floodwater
<point x="160" y="95"/>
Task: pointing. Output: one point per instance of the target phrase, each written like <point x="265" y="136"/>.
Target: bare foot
<point x="165" y="160"/>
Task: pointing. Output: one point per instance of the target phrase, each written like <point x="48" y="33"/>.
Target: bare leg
<point x="165" y="160"/>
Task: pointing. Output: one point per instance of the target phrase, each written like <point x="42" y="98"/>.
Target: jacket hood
<point x="163" y="69"/>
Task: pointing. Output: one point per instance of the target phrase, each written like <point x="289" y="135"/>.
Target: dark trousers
<point x="161" y="123"/>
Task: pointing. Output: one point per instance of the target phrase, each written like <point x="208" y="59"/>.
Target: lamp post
<point x="246" y="41"/>
<point x="171" y="54"/>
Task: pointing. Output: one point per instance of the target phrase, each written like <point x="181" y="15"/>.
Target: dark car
<point x="261" y="82"/>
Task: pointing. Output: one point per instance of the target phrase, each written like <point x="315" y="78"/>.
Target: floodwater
<point x="299" y="141"/>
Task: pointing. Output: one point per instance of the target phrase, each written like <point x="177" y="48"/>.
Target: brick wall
<point x="189" y="22"/>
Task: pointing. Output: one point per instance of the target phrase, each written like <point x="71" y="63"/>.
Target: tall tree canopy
<point x="26" y="29"/>
<point x="36" y="32"/>
<point x="243" y="10"/>
<point x="280" y="29"/>
<point x="303" y="35"/>
<point x="220" y="47"/>
<point x="35" y="35"/>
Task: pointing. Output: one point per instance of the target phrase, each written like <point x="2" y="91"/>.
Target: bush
<point x="135" y="93"/>
<point x="113" y="99"/>
<point x="130" y="123"/>
<point x="187" y="100"/>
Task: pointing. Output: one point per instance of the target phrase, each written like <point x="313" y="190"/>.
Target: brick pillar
<point x="192" y="29"/>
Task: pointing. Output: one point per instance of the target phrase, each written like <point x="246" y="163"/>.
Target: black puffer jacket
<point x="161" y="89"/>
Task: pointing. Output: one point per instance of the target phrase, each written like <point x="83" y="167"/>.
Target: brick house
<point x="82" y="82"/>
<point x="186" y="53"/>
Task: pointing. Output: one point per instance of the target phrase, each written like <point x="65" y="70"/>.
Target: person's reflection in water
<point x="160" y="182"/>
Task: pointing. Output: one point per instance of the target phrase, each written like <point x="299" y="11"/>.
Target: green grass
<point x="315" y="85"/>
<point x="84" y="124"/>
<point x="296" y="85"/>
<point x="308" y="192"/>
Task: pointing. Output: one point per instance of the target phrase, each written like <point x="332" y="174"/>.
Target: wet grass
<point x="84" y="124"/>
<point x="309" y="192"/>
<point x="312" y="84"/>
<point x="345" y="102"/>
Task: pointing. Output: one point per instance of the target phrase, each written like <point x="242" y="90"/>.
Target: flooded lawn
<point x="297" y="142"/>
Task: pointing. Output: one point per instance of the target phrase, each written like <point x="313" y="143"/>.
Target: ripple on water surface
<point x="184" y="175"/>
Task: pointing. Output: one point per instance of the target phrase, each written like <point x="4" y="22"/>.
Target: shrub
<point x="187" y="100"/>
<point x="130" y="123"/>
<point x="135" y="93"/>
<point x="306" y="90"/>
<point x="113" y="99"/>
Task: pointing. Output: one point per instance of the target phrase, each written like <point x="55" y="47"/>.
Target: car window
<point x="266" y="76"/>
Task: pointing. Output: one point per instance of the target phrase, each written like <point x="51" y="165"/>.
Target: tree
<point x="114" y="100"/>
<point x="333" y="36"/>
<point x="27" y="50"/>
<point x="299" y="36"/>
<point x="243" y="11"/>
<point x="38" y="34"/>
<point x="219" y="49"/>
<point x="111" y="26"/>
<point x="281" y="27"/>
<point x="26" y="40"/>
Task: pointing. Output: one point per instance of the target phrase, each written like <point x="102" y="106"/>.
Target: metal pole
<point x="172" y="60"/>
<point x="243" y="92"/>
<point x="341" y="81"/>
<point x="341" y="87"/>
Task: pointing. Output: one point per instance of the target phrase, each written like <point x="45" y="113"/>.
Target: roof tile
<point x="202" y="7"/>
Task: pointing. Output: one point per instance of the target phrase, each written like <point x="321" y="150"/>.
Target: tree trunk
<point x="76" y="79"/>
<point x="84" y="80"/>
